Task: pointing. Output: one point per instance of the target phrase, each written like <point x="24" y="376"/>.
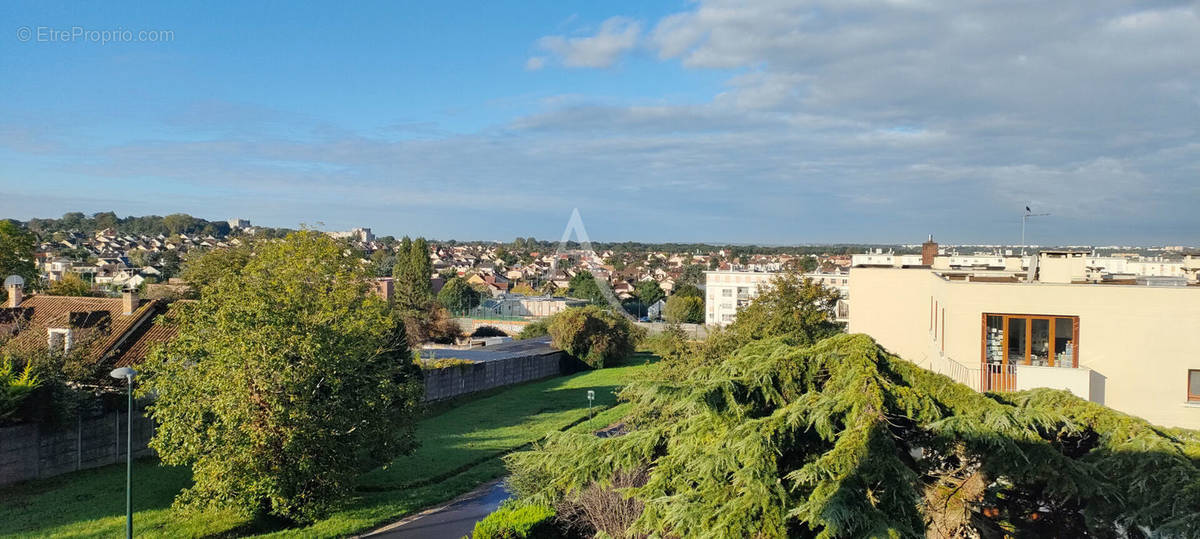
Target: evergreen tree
<point x="422" y="269"/>
<point x="842" y="439"/>
<point x="407" y="297"/>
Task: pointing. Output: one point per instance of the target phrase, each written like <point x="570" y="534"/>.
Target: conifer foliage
<point x="842" y="439"/>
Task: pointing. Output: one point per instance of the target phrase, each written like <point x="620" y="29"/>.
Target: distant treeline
<point x="149" y="225"/>
<point x="700" y="248"/>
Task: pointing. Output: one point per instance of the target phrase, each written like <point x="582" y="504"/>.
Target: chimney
<point x="14" y="295"/>
<point x="929" y="250"/>
<point x="129" y="301"/>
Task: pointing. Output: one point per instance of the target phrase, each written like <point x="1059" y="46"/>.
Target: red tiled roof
<point x="99" y="323"/>
<point x="158" y="331"/>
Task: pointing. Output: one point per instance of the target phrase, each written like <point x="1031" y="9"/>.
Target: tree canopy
<point x="649" y="292"/>
<point x="413" y="272"/>
<point x="842" y="439"/>
<point x="593" y="334"/>
<point x="684" y="310"/>
<point x="16" y="254"/>
<point x="779" y="426"/>
<point x="286" y="380"/>
<point x="458" y="296"/>
<point x="583" y="286"/>
<point x="789" y="306"/>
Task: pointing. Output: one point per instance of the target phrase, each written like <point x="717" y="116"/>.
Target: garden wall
<point x="464" y="379"/>
<point x="34" y="451"/>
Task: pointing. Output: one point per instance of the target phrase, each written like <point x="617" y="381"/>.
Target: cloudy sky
<point x="722" y="121"/>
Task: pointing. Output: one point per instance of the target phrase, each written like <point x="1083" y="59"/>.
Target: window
<point x="1027" y="339"/>
<point x="58" y="340"/>
<point x="1193" y="393"/>
<point x="727" y="292"/>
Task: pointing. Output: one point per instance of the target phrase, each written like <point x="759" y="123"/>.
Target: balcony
<point x="1082" y="382"/>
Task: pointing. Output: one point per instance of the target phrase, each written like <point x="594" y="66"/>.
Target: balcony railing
<point x="998" y="377"/>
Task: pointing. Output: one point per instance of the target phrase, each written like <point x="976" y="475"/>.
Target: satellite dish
<point x="14" y="280"/>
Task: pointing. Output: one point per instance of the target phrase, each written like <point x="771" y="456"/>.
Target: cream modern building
<point x="1132" y="346"/>
<point x="728" y="291"/>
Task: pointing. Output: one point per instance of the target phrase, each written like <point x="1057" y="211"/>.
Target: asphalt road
<point x="452" y="521"/>
<point x="527" y="347"/>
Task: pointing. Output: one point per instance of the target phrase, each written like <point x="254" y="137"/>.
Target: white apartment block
<point x="728" y="291"/>
<point x="1127" y="343"/>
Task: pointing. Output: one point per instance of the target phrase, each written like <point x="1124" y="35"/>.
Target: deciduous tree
<point x="583" y="286"/>
<point x="16" y="253"/>
<point x="458" y="296"/>
<point x="286" y="380"/>
<point x="649" y="292"/>
<point x="684" y="310"/>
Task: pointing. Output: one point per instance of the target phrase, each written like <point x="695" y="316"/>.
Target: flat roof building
<point x="1133" y="347"/>
<point x="726" y="292"/>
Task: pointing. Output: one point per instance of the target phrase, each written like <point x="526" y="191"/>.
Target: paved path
<point x="452" y="521"/>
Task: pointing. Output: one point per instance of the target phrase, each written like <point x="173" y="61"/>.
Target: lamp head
<point x="123" y="372"/>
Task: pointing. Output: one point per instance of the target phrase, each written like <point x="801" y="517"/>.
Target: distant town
<point x="111" y="254"/>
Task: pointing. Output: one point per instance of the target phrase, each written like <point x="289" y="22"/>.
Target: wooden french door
<point x="1026" y="339"/>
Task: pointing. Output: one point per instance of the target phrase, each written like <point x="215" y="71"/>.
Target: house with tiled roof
<point x="99" y="329"/>
<point x="144" y="339"/>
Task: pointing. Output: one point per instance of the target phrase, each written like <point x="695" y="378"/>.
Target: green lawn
<point x="459" y="450"/>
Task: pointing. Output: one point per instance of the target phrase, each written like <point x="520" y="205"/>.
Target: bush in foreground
<point x="842" y="439"/>
<point x="518" y="521"/>
<point x="597" y="336"/>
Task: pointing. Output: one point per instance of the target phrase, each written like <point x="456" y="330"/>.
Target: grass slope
<point x="459" y="450"/>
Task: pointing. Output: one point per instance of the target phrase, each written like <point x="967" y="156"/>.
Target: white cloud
<point x="535" y="63"/>
<point x="616" y="36"/>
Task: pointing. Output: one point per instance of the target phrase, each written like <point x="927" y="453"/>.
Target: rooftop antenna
<point x="1025" y="217"/>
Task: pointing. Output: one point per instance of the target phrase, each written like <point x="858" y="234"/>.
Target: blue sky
<point x="721" y="121"/>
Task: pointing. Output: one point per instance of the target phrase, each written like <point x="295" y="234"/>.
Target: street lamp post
<point x="591" y="395"/>
<point x="127" y="374"/>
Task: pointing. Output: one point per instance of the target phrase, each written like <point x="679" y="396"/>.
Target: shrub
<point x="15" y="387"/>
<point x="540" y="328"/>
<point x="518" y="520"/>
<point x="597" y="336"/>
<point x="433" y="324"/>
<point x="488" y="331"/>
<point x="671" y="345"/>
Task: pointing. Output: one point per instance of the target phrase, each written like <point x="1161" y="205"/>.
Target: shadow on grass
<point x="88" y="495"/>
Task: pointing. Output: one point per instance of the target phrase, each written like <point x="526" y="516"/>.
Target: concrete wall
<point x="33" y="451"/>
<point x="511" y="327"/>
<point x="1077" y="381"/>
<point x="1139" y="341"/>
<point x="465" y="379"/>
<point x="693" y="331"/>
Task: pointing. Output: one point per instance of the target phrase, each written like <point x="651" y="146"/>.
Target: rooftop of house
<point x="98" y="324"/>
<point x="143" y="339"/>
